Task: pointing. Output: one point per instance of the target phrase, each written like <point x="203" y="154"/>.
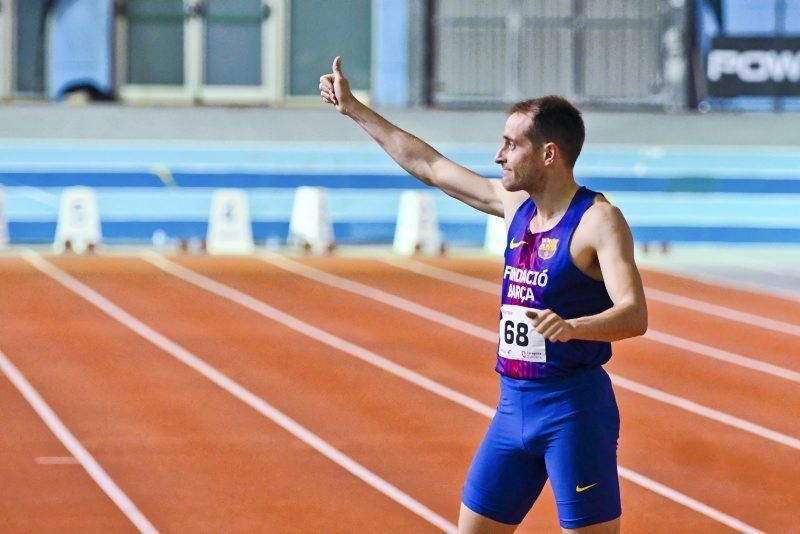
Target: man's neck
<point x="554" y="200"/>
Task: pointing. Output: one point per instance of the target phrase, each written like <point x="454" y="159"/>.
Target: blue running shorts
<point x="566" y="429"/>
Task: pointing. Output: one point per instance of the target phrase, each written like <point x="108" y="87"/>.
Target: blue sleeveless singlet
<point x="539" y="273"/>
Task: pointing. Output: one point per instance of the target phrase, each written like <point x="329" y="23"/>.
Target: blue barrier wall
<point x="667" y="194"/>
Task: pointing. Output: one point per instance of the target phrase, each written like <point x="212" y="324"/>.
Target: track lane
<point x="763" y="345"/>
<point x="715" y="463"/>
<point x="731" y="438"/>
<point x="379" y="423"/>
<point x="280" y="294"/>
<point x="43" y="495"/>
<point x="743" y="299"/>
<point x="763" y="324"/>
<point x="748" y="340"/>
<point x="740" y="299"/>
<point x="183" y="449"/>
<point x="740" y="392"/>
<point x="763" y="400"/>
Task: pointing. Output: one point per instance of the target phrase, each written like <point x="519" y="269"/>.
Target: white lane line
<point x="705" y="411"/>
<point x="234" y="388"/>
<point x="75" y="448"/>
<point x="374" y="294"/>
<point x="312" y="331"/>
<point x="56" y="460"/>
<point x="445" y="275"/>
<point x="653" y="335"/>
<point x="722" y="355"/>
<point x="697" y="506"/>
<point x="358" y="288"/>
<point x="721" y="311"/>
<point x="378" y="361"/>
<point x="726" y="282"/>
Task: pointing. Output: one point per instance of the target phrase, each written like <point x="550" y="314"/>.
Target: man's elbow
<point x="641" y="323"/>
<point x="642" y="327"/>
<point x="636" y="320"/>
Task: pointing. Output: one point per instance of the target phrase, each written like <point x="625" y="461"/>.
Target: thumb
<point x="337" y="66"/>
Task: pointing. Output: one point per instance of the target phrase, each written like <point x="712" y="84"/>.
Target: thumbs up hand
<point x="335" y="89"/>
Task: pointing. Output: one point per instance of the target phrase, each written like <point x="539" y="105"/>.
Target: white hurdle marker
<point x="78" y="227"/>
<point x="310" y="227"/>
<point x="496" y="235"/>
<point x="230" y="230"/>
<point x="417" y="229"/>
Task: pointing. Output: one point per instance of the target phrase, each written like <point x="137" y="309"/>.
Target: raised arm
<point x="414" y="155"/>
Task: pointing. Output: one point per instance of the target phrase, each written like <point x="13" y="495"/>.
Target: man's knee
<point x="470" y="522"/>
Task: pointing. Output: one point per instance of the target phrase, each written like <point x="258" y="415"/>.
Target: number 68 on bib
<point x="519" y="339"/>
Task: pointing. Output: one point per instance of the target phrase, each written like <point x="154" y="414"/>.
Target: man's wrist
<point x="354" y="109"/>
<point x="574" y="327"/>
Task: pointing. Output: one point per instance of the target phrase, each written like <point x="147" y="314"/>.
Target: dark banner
<point x="753" y="66"/>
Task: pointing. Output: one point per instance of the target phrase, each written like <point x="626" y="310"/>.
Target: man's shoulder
<point x="602" y="219"/>
<point x="602" y="213"/>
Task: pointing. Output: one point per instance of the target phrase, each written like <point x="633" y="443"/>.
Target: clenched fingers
<point x="326" y="90"/>
<point x="547" y="323"/>
<point x="550" y="325"/>
<point x="553" y="332"/>
<point x="537" y="316"/>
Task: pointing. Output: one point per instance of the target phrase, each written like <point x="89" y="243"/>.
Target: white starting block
<point x="417" y="229"/>
<point x="230" y="230"/>
<point x="3" y="219"/>
<point x="78" y="227"/>
<point x="496" y="236"/>
<point x="310" y="227"/>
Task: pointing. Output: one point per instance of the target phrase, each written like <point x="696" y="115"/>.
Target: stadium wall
<point x="157" y="168"/>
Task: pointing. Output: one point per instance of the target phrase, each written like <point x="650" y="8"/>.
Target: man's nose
<point x="500" y="157"/>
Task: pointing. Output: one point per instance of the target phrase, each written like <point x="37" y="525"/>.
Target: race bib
<point x="519" y="339"/>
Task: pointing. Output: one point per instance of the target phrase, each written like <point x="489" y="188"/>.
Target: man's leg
<point x="505" y="478"/>
<point x="470" y="522"/>
<point x="582" y="464"/>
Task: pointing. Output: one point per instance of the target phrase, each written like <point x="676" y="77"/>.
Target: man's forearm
<point x="410" y="152"/>
<point x="617" y="322"/>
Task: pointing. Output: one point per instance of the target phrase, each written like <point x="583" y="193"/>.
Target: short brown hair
<point x="555" y="120"/>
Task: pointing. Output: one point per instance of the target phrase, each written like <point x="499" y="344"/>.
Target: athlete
<point x="570" y="288"/>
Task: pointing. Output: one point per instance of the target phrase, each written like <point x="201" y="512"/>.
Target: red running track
<point x="193" y="457"/>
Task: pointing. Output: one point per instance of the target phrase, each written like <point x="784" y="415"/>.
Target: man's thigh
<point x="582" y="464"/>
<point x="504" y="479"/>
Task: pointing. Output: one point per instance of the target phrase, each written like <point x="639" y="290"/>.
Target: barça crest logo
<point x="547" y="248"/>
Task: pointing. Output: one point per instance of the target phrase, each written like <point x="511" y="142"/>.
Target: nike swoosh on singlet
<point x="513" y="245"/>
<point x="580" y="489"/>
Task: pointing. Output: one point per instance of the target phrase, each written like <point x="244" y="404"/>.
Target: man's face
<point x="521" y="162"/>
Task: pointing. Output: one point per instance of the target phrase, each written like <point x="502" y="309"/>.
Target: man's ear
<point x="551" y="153"/>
